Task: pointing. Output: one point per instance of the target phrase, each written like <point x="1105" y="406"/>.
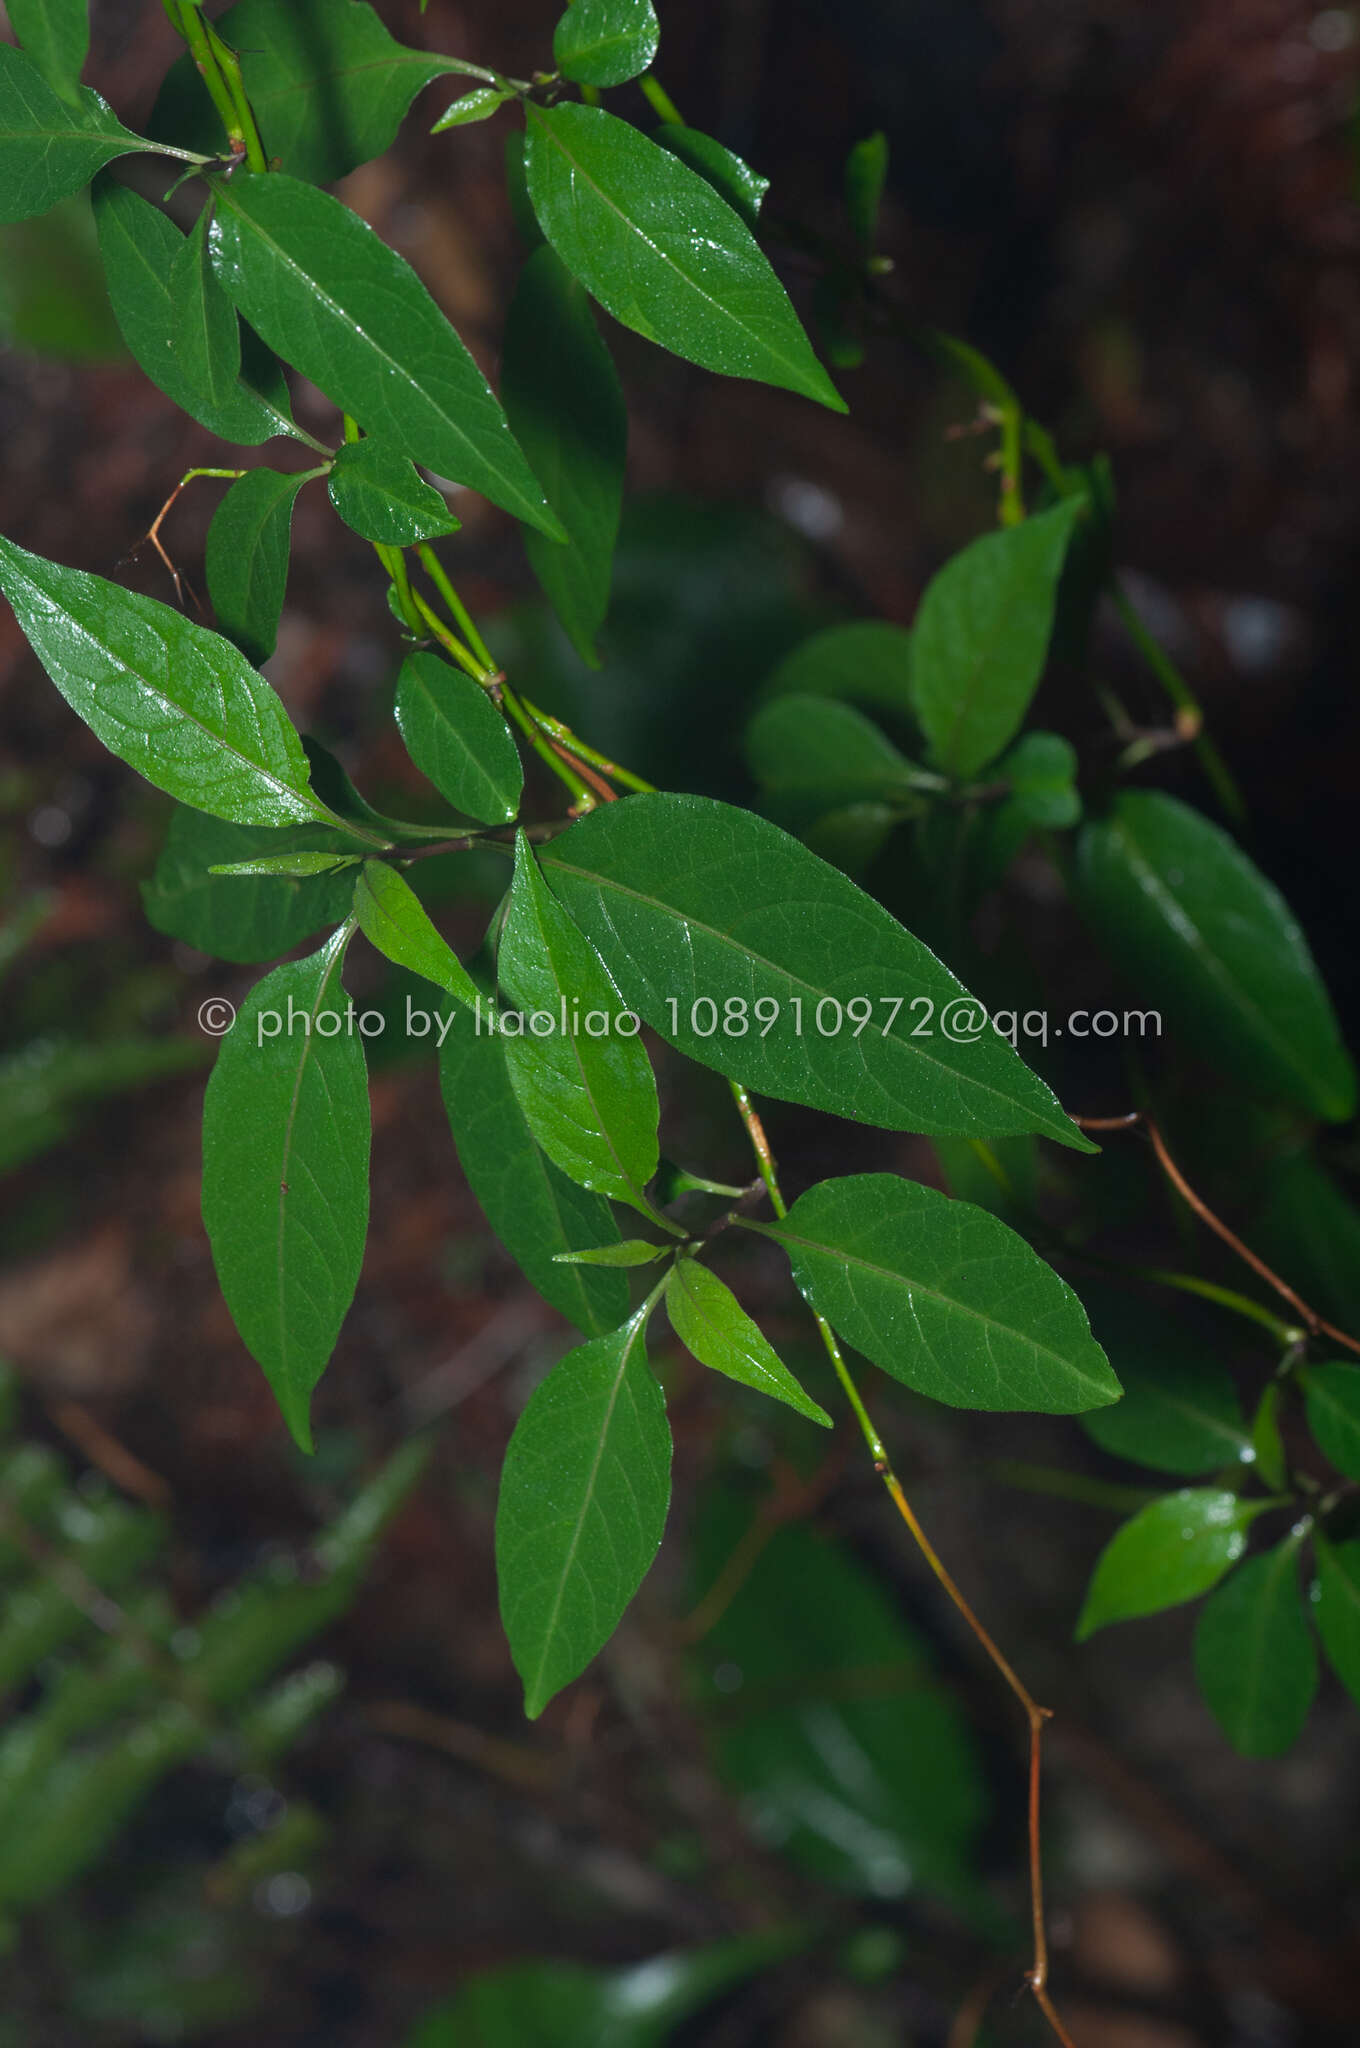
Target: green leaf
<point x="1167" y="1553"/>
<point x="56" y="35"/>
<point x="692" y="902"/>
<point x="478" y="105"/>
<point x="239" y="920"/>
<point x="207" y="331"/>
<point x="176" y="702"/>
<point x="634" y="1251"/>
<point x="1255" y="1658"/>
<point x="294" y="866"/>
<point x="1266" y="1441"/>
<point x="1337" y="1608"/>
<point x="585" y="1086"/>
<point x="709" y="1321"/>
<point x="653" y="242"/>
<point x="246" y="557"/>
<point x="139" y="247"/>
<point x="393" y="918"/>
<point x="1332" y="1396"/>
<point x="866" y="173"/>
<point x="285" y="1171"/>
<point x="981" y="636"/>
<point x="605" y="42"/>
<point x="376" y="491"/>
<point x="1041" y="769"/>
<point x="456" y="736"/>
<point x="352" y="315"/>
<point x="535" y="1211"/>
<point x="328" y="85"/>
<point x="1180" y="1412"/>
<point x="49" y="146"/>
<point x="582" y="1509"/>
<point x="732" y="180"/>
<point x="867" y="660"/>
<point x="1203" y="935"/>
<point x="815" y="747"/>
<point x="943" y="1296"/>
<point x="567" y="412"/>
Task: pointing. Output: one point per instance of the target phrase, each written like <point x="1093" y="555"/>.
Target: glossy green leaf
<point x="1167" y="1553"/>
<point x="814" y="747"/>
<point x="981" y="636"/>
<point x="943" y="1296"/>
<point x="567" y="412"/>
<point x="285" y="1172"/>
<point x="585" y="1086"/>
<point x="207" y="331"/>
<point x="634" y="1251"/>
<point x="1212" y="944"/>
<point x="731" y="178"/>
<point x="605" y="42"/>
<point x="653" y="242"/>
<point x="478" y="105"/>
<point x="1041" y="769"/>
<point x="456" y="736"/>
<point x="692" y="903"/>
<point x="582" y="1509"/>
<point x="352" y="315"/>
<point x="1255" y="1657"/>
<point x="50" y="146"/>
<point x="866" y="173"/>
<point x="246" y="557"/>
<point x="535" y="1211"/>
<point x="393" y="918"/>
<point x="1180" y="1412"/>
<point x="376" y="490"/>
<point x="1336" y="1608"/>
<point x="176" y="702"/>
<point x="294" y="866"/>
<point x="56" y="35"/>
<point x="140" y="246"/>
<point x="1332" y="1394"/>
<point x="709" y="1321"/>
<point x="328" y="85"/>
<point x="867" y="660"/>
<point x="239" y="919"/>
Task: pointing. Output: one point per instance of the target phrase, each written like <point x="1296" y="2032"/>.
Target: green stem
<point x="596" y="759"/>
<point x="462" y="617"/>
<point x="186" y="20"/>
<point x="583" y="797"/>
<point x="1286" y="1334"/>
<point x="464" y="656"/>
<point x="1011" y="511"/>
<point x="394" y="561"/>
<point x="660" y="101"/>
<point x="1186" y="703"/>
<point x="230" y="65"/>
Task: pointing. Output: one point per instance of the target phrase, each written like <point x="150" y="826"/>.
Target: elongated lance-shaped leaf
<point x="606" y="42"/>
<point x="1255" y="1657"/>
<point x="535" y="1211"/>
<point x="393" y="918"/>
<point x="456" y="736"/>
<point x="1332" y="1394"/>
<point x="50" y="146"/>
<point x="751" y="955"/>
<point x="944" y="1297"/>
<point x="1180" y="1411"/>
<point x="731" y="178"/>
<point x="1171" y="1551"/>
<point x="285" y="1171"/>
<point x="652" y="241"/>
<point x="582" y="1510"/>
<point x="568" y="414"/>
<point x="1337" y="1608"/>
<point x="56" y="35"/>
<point x="352" y="315"/>
<point x="583" y="1079"/>
<point x="233" y="918"/>
<point x="173" y="700"/>
<point x="246" y="558"/>
<point x="376" y="491"/>
<point x="207" y="331"/>
<point x="709" y="1321"/>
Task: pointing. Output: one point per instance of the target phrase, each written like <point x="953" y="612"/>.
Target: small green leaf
<point x="584" y="1084"/>
<point x="1332" y="1397"/>
<point x="943" y="1296"/>
<point x="285" y="1171"/>
<point x="176" y="702"/>
<point x="1041" y="769"/>
<point x="376" y="490"/>
<point x="240" y="920"/>
<point x="456" y="736"/>
<point x="814" y="747"/>
<point x="246" y="557"/>
<point x="709" y="1321"/>
<point x="584" y="1493"/>
<point x="1180" y="1412"/>
<point x="50" y="146"/>
<point x="535" y="1211"/>
<point x="1266" y="1441"/>
<point x="1203" y="935"/>
<point x="140" y="247"/>
<point x="56" y="35"/>
<point x="732" y="180"/>
<point x="658" y="248"/>
<point x="1337" y="1608"/>
<point x="207" y="331"/>
<point x="866" y="660"/>
<point x="981" y="636"/>
<point x="634" y="1251"/>
<point x="1169" y="1552"/>
<point x="295" y="866"/>
<point x="478" y="105"/>
<point x="567" y="412"/>
<point x="393" y="918"/>
<point x="866" y="173"/>
<point x="605" y="42"/>
<point x="1255" y="1658"/>
<point x="352" y="315"/>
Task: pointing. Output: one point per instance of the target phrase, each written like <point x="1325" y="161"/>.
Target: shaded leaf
<point x="56" y="35"/>
<point x="456" y="736"/>
<point x="246" y="557"/>
<point x="1167" y="1553"/>
<point x="735" y="181"/>
<point x="1180" y="1412"/>
<point x="376" y="491"/>
<point x="867" y="660"/>
<point x="1255" y="1658"/>
<point x="392" y="917"/>
<point x="207" y="331"/>
<point x="1332" y="1394"/>
<point x="1266" y="1441"/>
<point x="1337" y="1608"/>
<point x="709" y="1321"/>
<point x="1041" y="769"/>
<point x="239" y="919"/>
<point x="605" y="42"/>
<point x="815" y="747"/>
<point x="51" y="146"/>
<point x="866" y="173"/>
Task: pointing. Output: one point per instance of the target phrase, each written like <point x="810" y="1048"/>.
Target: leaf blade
<point x="376" y="491"/>
<point x="392" y="917"/>
<point x="50" y="147"/>
<point x="246" y="558"/>
<point x="456" y="737"/>
<point x="1169" y="1552"/>
<point x="710" y="1322"/>
<point x="1254" y="1654"/>
<point x="606" y="42"/>
<point x="1332" y="1402"/>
